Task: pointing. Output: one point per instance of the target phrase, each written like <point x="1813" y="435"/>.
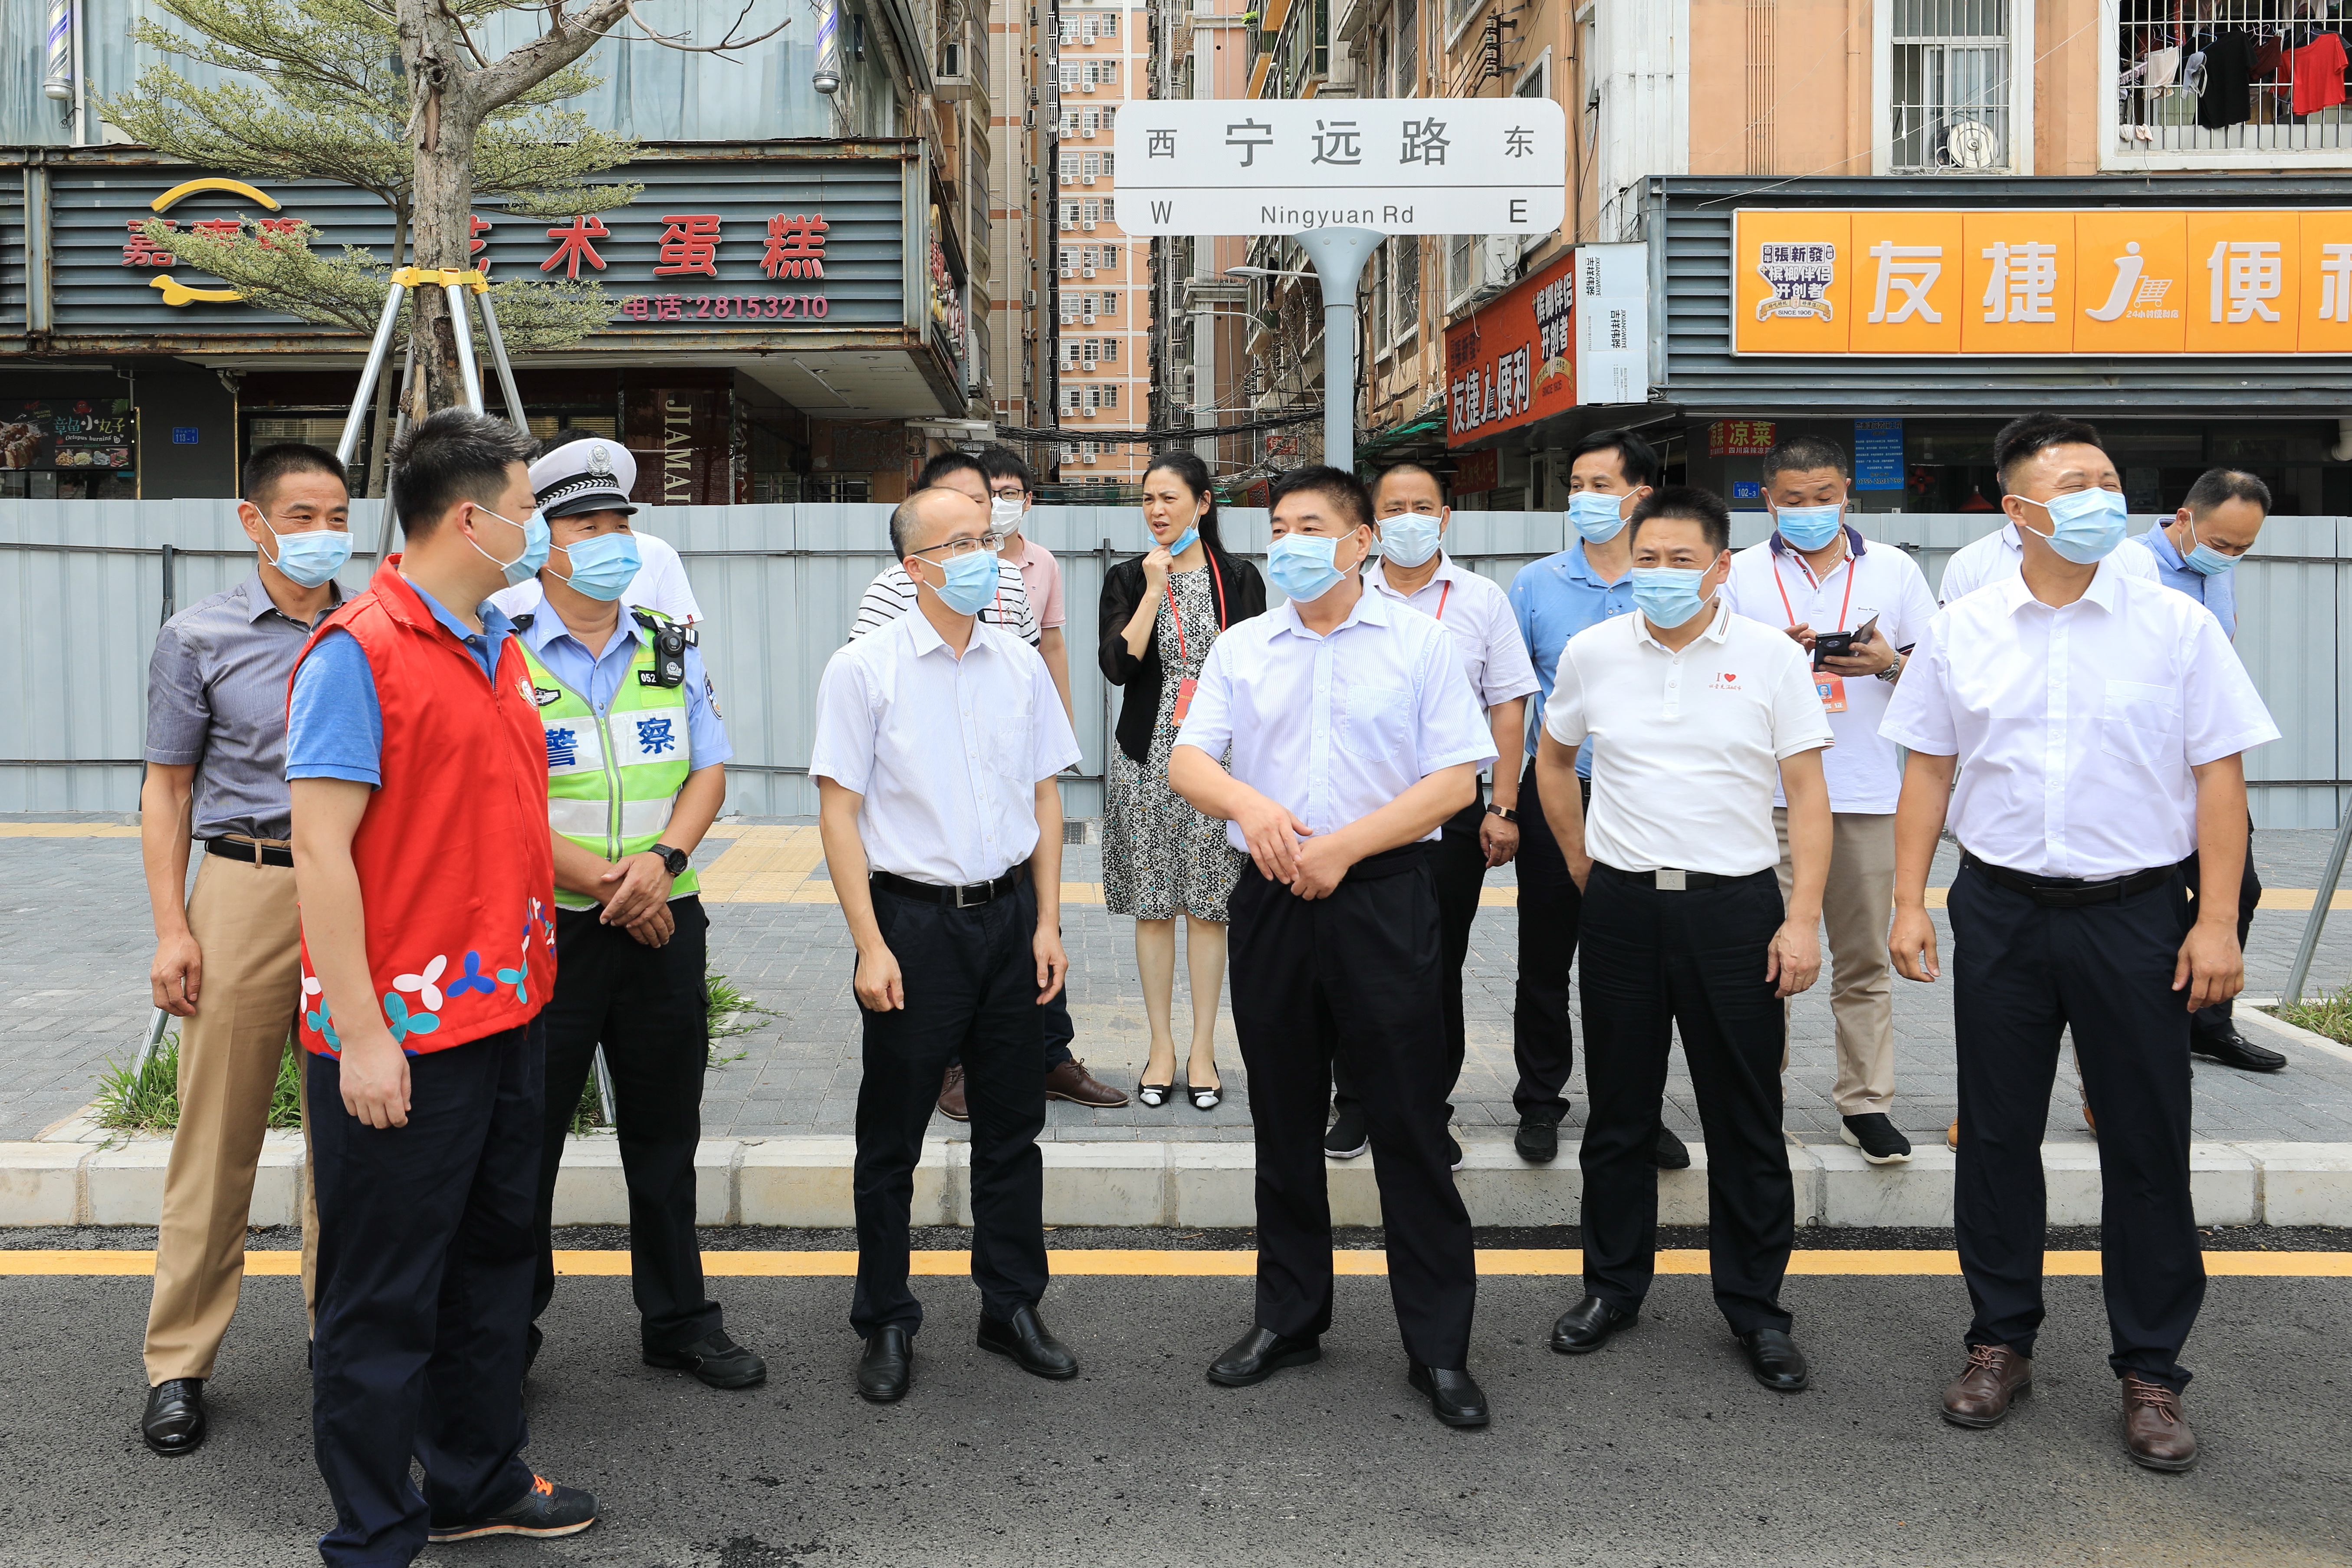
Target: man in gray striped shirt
<point x="228" y="962"/>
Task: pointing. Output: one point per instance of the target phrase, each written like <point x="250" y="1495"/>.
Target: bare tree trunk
<point x="442" y="135"/>
<point x="380" y="437"/>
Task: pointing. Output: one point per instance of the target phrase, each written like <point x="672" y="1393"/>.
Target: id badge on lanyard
<point x="1188" y="685"/>
<point x="1831" y="690"/>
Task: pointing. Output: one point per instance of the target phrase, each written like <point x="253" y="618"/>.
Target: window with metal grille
<point x="1408" y="52"/>
<point x="1408" y="283"/>
<point x="1379" y="299"/>
<point x="1949" y="76"/>
<point x="1461" y="265"/>
<point x="2228" y="81"/>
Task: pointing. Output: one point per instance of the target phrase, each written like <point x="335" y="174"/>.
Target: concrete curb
<point x="805" y="1182"/>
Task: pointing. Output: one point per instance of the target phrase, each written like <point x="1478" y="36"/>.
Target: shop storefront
<point x="779" y="314"/>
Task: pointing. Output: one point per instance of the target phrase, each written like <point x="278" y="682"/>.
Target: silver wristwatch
<point x="1893" y="673"/>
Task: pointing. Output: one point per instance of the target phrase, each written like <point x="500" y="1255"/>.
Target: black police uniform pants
<point x="2219" y="1019"/>
<point x="1457" y="863"/>
<point x="971" y="989"/>
<point x="648" y="1008"/>
<point x="425" y="1262"/>
<point x="2021" y="975"/>
<point x="1550" y="915"/>
<point x="1655" y="960"/>
<point x="1352" y="977"/>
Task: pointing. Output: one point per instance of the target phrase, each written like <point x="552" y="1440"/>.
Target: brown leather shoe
<point x="951" y="1102"/>
<point x="1981" y="1395"/>
<point x="2155" y="1432"/>
<point x="1073" y="1082"/>
<point x="1952" y="1134"/>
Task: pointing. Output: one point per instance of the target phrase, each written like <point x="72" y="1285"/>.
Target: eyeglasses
<point x="954" y="548"/>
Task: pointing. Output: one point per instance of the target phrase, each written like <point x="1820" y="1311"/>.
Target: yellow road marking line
<point x="1493" y="1262"/>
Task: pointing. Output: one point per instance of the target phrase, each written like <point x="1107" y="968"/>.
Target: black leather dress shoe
<point x="887" y="1367"/>
<point x="717" y="1360"/>
<point x="1537" y="1139"/>
<point x="1672" y="1155"/>
<point x="174" y="1422"/>
<point x="1587" y="1326"/>
<point x="1259" y="1354"/>
<point x="1029" y="1342"/>
<point x="1776" y="1360"/>
<point x="1454" y="1395"/>
<point x="2232" y="1050"/>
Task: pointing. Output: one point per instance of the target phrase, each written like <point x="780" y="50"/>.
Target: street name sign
<point x="1396" y="165"/>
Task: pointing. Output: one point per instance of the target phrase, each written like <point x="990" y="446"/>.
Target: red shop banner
<point x="1513" y="362"/>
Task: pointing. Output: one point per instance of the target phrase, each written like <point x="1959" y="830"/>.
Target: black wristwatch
<point x="675" y="859"/>
<point x="1505" y="812"/>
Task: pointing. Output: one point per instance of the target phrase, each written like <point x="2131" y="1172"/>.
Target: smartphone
<point x="1838" y="645"/>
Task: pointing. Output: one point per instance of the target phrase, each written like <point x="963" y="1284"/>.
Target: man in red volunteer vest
<point x="423" y="864"/>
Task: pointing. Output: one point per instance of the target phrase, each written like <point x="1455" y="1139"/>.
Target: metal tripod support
<point x="2323" y="896"/>
<point x="458" y="286"/>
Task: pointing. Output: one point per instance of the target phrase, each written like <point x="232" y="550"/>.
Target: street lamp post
<point x="1338" y="255"/>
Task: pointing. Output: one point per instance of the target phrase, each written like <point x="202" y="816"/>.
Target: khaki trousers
<point x="245" y="920"/>
<point x="1857" y="908"/>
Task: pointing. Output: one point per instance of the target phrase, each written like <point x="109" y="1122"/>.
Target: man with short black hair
<point x="1695" y="713"/>
<point x="228" y="955"/>
<point x="422" y="853"/>
<point x="1817" y="576"/>
<point x="1610" y="472"/>
<point x="2095" y="722"/>
<point x="1998" y="555"/>
<point x="1354" y="735"/>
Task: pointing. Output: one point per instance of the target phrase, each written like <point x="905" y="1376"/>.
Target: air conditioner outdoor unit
<point x="1067" y="226"/>
<point x="1086" y="271"/>
<point x="1086" y="87"/>
<point x="1066" y="271"/>
<point x="1087" y="319"/>
<point x="1085" y="179"/>
<point x="1089" y="225"/>
<point x="1088" y="134"/>
<point x="1088" y="457"/>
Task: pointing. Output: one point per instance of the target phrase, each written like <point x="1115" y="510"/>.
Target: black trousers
<point x="1653" y="961"/>
<point x="1352" y="977"/>
<point x="1458" y="865"/>
<point x="1550" y="915"/>
<point x="648" y="1008"/>
<point x="424" y="1263"/>
<point x="972" y="990"/>
<point x="2021" y="975"/>
<point x="2219" y="1019"/>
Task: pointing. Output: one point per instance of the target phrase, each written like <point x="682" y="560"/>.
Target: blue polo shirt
<point x="2215" y="593"/>
<point x="1554" y="599"/>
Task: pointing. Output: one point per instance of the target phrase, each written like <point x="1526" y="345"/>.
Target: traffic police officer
<point x="2095" y="721"/>
<point x="634" y="761"/>
<point x="2195" y="550"/>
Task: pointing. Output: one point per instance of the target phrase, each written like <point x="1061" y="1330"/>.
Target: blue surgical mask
<point x="1809" y="527"/>
<point x="602" y="567"/>
<point x="1408" y="538"/>
<point x="2204" y="560"/>
<point x="2084" y="525"/>
<point x="310" y="557"/>
<point x="1300" y="564"/>
<point x="536" y="539"/>
<point x="1667" y="595"/>
<point x="1595" y="515"/>
<point x="1183" y="541"/>
<point x="970" y="582"/>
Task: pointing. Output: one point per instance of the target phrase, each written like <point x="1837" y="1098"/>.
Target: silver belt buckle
<point x="1672" y="880"/>
<point x="960" y="901"/>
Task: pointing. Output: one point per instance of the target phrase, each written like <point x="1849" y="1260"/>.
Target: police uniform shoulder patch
<point x="710" y="695"/>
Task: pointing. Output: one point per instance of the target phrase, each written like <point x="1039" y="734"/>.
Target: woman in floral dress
<point x="1161" y="614"/>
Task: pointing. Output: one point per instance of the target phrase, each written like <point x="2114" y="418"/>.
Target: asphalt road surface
<point x="1658" y="1450"/>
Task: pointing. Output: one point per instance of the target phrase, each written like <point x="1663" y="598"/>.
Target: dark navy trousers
<point x="425" y="1255"/>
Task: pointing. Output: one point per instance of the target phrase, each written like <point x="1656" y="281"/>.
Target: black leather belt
<point x="2068" y="893"/>
<point x="250" y="852"/>
<point x="969" y="896"/>
<point x="1668" y="879"/>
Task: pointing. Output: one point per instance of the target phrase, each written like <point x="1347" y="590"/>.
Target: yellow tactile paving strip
<point x="1493" y="1262"/>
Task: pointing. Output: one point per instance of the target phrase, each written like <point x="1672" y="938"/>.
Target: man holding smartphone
<point x="1858" y="608"/>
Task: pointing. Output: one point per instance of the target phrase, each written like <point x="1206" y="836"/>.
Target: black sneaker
<point x="1453" y="1150"/>
<point x="1347" y="1138"/>
<point x="545" y="1510"/>
<point x="1538" y="1141"/>
<point x="717" y="1360"/>
<point x="1877" y="1138"/>
<point x="1670" y="1155"/>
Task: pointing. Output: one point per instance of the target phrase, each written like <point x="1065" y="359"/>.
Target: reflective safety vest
<point x="611" y="784"/>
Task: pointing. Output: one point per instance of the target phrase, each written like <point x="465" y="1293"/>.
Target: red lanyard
<point x="1444" y="594"/>
<point x="1183" y="656"/>
<point x="1792" y="609"/>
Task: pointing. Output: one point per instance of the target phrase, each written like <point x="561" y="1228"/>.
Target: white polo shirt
<point x="1687" y="746"/>
<point x="948" y="753"/>
<point x="1998" y="555"/>
<point x="2076" y="727"/>
<point x="1771" y="583"/>
<point x="1335" y="727"/>
<point x="1478" y="613"/>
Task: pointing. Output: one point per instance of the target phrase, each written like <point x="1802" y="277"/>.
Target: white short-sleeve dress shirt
<point x="2076" y="727"/>
<point x="948" y="753"/>
<point x="1877" y="581"/>
<point x="1998" y="555"/>
<point x="1335" y="727"/>
<point x="1687" y="746"/>
<point x="1478" y="613"/>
